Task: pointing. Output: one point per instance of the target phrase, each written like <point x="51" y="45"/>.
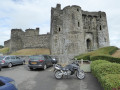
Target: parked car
<point x="10" y="61"/>
<point x="54" y="60"/>
<point x="39" y="61"/>
<point x="0" y="67"/>
<point x="7" y="83"/>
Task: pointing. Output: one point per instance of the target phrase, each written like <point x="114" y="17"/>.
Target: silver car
<point x="9" y="61"/>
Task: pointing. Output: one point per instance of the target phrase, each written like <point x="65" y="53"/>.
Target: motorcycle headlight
<point x="57" y="68"/>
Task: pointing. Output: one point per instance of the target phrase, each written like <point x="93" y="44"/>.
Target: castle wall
<point x="39" y="41"/>
<point x="74" y="31"/>
<point x="67" y="31"/>
<point x="28" y="39"/>
<point x="7" y="43"/>
<point x="103" y="36"/>
<point x="16" y="40"/>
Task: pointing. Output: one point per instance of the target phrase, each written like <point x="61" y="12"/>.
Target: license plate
<point x="33" y="62"/>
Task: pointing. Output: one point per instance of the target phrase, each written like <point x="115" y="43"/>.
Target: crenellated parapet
<point x="30" y="38"/>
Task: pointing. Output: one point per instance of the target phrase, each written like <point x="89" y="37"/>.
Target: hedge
<point x="106" y="68"/>
<point x="107" y="73"/>
<point x="96" y="63"/>
<point x="113" y="49"/>
<point x="111" y="82"/>
<point x="108" y="58"/>
<point x="84" y="57"/>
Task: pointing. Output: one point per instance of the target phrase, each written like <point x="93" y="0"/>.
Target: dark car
<point x="54" y="60"/>
<point x="9" y="61"/>
<point x="7" y="83"/>
<point x="0" y="67"/>
<point x="39" y="61"/>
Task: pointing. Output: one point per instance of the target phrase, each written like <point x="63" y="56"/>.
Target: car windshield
<point x="36" y="57"/>
<point x="1" y="57"/>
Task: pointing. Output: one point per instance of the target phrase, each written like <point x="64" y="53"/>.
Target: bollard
<point x="81" y="61"/>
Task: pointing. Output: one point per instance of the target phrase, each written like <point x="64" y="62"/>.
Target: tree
<point x="1" y="46"/>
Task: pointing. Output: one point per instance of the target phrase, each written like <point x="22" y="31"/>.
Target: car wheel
<point x="44" y="67"/>
<point x="10" y="65"/>
<point x="31" y="68"/>
<point x="23" y="63"/>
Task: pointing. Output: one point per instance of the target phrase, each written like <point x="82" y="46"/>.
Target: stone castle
<point x="73" y="31"/>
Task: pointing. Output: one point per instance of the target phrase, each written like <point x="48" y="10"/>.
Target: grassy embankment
<point x="37" y="51"/>
<point x="4" y="50"/>
<point x="101" y="53"/>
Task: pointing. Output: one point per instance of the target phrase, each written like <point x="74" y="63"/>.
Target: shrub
<point x="83" y="56"/>
<point x="96" y="63"/>
<point x="112" y="50"/>
<point x="106" y="68"/>
<point x="102" y="53"/>
<point x="107" y="73"/>
<point x="111" y="82"/>
<point x="108" y="58"/>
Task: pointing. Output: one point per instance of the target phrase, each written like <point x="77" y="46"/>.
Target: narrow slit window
<point x="78" y="24"/>
<point x="78" y="10"/>
<point x="105" y="39"/>
<point x="100" y="27"/>
<point x="59" y="29"/>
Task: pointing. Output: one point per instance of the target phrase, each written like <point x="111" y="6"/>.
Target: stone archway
<point x="89" y="44"/>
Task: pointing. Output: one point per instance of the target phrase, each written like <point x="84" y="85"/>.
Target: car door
<point x="13" y="59"/>
<point x="7" y="60"/>
<point x="18" y="60"/>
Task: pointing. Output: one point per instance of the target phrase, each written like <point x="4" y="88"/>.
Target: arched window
<point x="89" y="44"/>
<point x="77" y="9"/>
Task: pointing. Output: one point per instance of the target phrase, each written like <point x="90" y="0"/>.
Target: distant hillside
<point x="37" y="51"/>
<point x="4" y="50"/>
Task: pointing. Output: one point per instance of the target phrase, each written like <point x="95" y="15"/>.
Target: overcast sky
<point x="26" y="14"/>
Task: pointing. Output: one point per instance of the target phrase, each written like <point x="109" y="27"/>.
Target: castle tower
<point x="74" y="31"/>
<point x="103" y="36"/>
<point x="67" y="35"/>
<point x="16" y="40"/>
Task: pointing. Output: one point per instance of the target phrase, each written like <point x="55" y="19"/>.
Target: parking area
<point x="44" y="80"/>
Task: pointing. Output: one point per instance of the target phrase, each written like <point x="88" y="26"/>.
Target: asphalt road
<point x="44" y="80"/>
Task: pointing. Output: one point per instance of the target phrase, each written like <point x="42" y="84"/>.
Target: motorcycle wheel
<point x="80" y="74"/>
<point x="58" y="75"/>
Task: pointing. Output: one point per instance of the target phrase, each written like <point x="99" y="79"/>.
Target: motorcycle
<point x="68" y="70"/>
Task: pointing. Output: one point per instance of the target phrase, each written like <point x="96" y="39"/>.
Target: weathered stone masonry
<point x="73" y="31"/>
<point x="28" y="39"/>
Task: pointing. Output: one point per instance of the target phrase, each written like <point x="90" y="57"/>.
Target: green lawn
<point x="106" y="51"/>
